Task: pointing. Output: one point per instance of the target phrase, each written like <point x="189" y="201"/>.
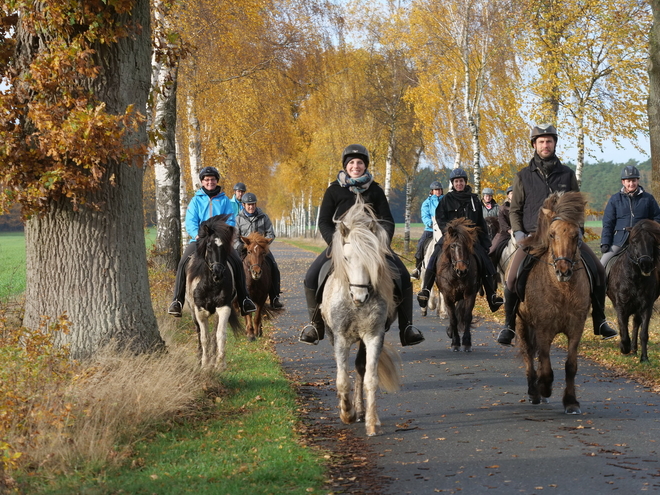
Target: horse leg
<point x="528" y="351"/>
<point x="360" y="368"/>
<point x="342" y="350"/>
<point x="644" y="335"/>
<point x="468" y="307"/>
<point x="545" y="374"/>
<point x="257" y="317"/>
<point x="374" y="346"/>
<point x="571" y="404"/>
<point x="202" y="322"/>
<point x="221" y="337"/>
<point x="452" y="329"/>
<point x="249" y="327"/>
<point x="624" y="336"/>
<point x="637" y="322"/>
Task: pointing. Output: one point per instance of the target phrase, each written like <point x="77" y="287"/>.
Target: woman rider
<point x="355" y="179"/>
<point x="208" y="202"/>
<point x="460" y="202"/>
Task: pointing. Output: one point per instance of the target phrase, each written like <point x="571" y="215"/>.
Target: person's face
<point x="209" y="182"/>
<point x="487" y="198"/>
<point x="544" y="146"/>
<point x="436" y="192"/>
<point x="459" y="184"/>
<point x="355" y="168"/>
<point x="509" y="195"/>
<point x="238" y="193"/>
<point x="630" y="184"/>
<point x="251" y="207"/>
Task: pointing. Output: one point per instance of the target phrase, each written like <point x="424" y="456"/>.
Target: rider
<point x="428" y="212"/>
<point x="624" y="209"/>
<point x="502" y="237"/>
<point x="460" y="202"/>
<point x="239" y="190"/>
<point x="253" y="219"/>
<point x="207" y="202"/>
<point x="544" y="175"/>
<point x="488" y="205"/>
<point x="340" y="195"/>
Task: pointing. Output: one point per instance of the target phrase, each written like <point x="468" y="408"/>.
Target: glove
<point x="604" y="248"/>
<point x="519" y="236"/>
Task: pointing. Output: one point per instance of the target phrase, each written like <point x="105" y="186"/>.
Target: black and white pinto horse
<point x="358" y="307"/>
<point x="210" y="290"/>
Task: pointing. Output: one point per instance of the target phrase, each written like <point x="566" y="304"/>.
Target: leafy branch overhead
<point x="57" y="135"/>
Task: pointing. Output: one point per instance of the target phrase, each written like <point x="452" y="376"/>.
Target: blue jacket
<point x="624" y="210"/>
<point x="236" y="204"/>
<point x="429" y="206"/>
<point x="202" y="207"/>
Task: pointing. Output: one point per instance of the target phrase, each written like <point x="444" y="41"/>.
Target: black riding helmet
<point x="249" y="198"/>
<point x="209" y="171"/>
<point x="630" y="172"/>
<point x="543" y="130"/>
<point x="355" y="151"/>
<point x="435" y="185"/>
<point x="457" y="173"/>
<point x="239" y="186"/>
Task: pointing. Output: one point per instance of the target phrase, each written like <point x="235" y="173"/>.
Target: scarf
<point x="212" y="193"/>
<point x="547" y="165"/>
<point x="356" y="186"/>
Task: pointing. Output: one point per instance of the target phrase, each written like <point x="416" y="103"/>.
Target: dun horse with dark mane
<point x="557" y="296"/>
<point x="633" y="285"/>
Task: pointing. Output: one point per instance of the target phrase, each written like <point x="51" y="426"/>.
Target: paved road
<point x="462" y="422"/>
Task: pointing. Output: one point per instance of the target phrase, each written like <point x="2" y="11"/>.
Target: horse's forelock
<point x="462" y="231"/>
<point x="568" y="207"/>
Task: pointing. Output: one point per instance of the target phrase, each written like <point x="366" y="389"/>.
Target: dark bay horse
<point x="633" y="285"/>
<point x="209" y="290"/>
<point x="557" y="297"/>
<point x="259" y="279"/>
<point x="459" y="280"/>
<point x="358" y="307"/>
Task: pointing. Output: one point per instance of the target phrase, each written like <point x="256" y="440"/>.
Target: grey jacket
<point x="245" y="225"/>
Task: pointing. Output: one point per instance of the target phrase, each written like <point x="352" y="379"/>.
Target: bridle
<point x="369" y="286"/>
<point x="454" y="263"/>
<point x="570" y="261"/>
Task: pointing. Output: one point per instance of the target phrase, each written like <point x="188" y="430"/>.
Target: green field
<point x="12" y="261"/>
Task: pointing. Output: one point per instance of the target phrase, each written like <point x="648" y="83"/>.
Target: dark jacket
<point x="531" y="187"/>
<point x="337" y="200"/>
<point x="625" y="210"/>
<point x="462" y="204"/>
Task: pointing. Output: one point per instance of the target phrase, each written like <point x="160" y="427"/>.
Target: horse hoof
<point x="545" y="400"/>
<point x="251" y="338"/>
<point x="467" y="348"/>
<point x="455" y="348"/>
<point x="572" y="409"/>
<point x="535" y="400"/>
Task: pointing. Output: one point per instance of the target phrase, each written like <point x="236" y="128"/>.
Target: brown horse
<point x="633" y="285"/>
<point x="259" y="278"/>
<point x="557" y="296"/>
<point x="458" y="279"/>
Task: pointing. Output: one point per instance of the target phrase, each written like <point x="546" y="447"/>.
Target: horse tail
<point x="389" y="364"/>
<point x="236" y="323"/>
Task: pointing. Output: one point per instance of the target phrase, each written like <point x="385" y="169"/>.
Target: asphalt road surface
<point x="462" y="421"/>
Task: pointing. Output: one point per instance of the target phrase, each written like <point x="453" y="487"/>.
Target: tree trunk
<point x="654" y="98"/>
<point x="408" y="210"/>
<point x="388" y="164"/>
<point x="90" y="266"/>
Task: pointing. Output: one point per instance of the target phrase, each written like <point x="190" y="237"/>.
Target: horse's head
<point x="564" y="242"/>
<point x="643" y="245"/>
<point x="213" y="245"/>
<point x="257" y="247"/>
<point x="459" y="244"/>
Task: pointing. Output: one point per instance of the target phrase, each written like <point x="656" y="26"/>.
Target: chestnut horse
<point x="358" y="307"/>
<point x="259" y="278"/>
<point x="633" y="285"/>
<point x="557" y="296"/>
<point x="459" y="280"/>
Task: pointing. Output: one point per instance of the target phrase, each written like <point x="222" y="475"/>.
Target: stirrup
<point x="423" y="297"/>
<point x="605" y="331"/>
<point x="175" y="309"/>
<point x="506" y="336"/>
<point x="276" y="303"/>
<point x="309" y="335"/>
<point x="415" y="274"/>
<point x="248" y="306"/>
<point x="411" y="335"/>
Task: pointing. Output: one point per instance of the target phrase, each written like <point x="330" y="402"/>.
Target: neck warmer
<point x="547" y="165"/>
<point x="212" y="193"/>
<point x="356" y="186"/>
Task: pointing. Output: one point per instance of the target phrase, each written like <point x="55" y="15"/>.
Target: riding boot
<point x="245" y="303"/>
<point x="408" y="334"/>
<point x="510" y="306"/>
<point x="490" y="287"/>
<point x="601" y="327"/>
<point x="417" y="271"/>
<point x="315" y="330"/>
<point x="424" y="294"/>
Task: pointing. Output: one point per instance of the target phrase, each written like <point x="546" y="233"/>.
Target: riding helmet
<point x="249" y="198"/>
<point x="488" y="190"/>
<point x="355" y="151"/>
<point x="543" y="130"/>
<point x="509" y="189"/>
<point x="630" y="172"/>
<point x="239" y="186"/>
<point x="209" y="171"/>
<point x="457" y="173"/>
<point x="435" y="185"/>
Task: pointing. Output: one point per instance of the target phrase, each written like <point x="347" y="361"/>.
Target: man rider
<point x="545" y="175"/>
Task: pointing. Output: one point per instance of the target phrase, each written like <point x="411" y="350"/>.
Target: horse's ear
<point x="246" y="240"/>
<point x="269" y="239"/>
<point x="545" y="211"/>
<point x="343" y="230"/>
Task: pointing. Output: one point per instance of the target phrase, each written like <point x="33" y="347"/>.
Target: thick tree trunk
<point x="90" y="266"/>
<point x="654" y="98"/>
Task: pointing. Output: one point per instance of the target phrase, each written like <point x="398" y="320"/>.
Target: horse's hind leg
<point x="374" y="347"/>
<point x="346" y="410"/>
<point x="360" y="368"/>
<point x="571" y="404"/>
<point x="258" y="318"/>
<point x="221" y="336"/>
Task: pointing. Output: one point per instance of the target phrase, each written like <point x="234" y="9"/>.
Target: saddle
<point x="326" y="270"/>
<point x="610" y="262"/>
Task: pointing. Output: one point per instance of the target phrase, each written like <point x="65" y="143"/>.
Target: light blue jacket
<point x="429" y="206"/>
<point x="202" y="207"/>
